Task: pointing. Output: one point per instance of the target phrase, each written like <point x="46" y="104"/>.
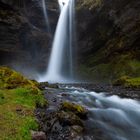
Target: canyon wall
<point x="108" y="38"/>
<point x="24" y="41"/>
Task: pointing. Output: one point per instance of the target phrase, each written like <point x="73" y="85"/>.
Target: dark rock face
<point x="61" y="125"/>
<point x="24" y="40"/>
<point x="109" y="37"/>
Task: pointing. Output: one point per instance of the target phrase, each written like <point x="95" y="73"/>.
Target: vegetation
<point x="18" y="99"/>
<point x="118" y="66"/>
<point x="74" y="108"/>
<point x="10" y="79"/>
<point x="128" y="82"/>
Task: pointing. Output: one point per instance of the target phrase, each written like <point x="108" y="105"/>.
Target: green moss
<point x="118" y="66"/>
<point x="127" y="82"/>
<point x="10" y="79"/>
<point x="17" y="113"/>
<point x="75" y="108"/>
<point x="72" y="107"/>
<point x="18" y="99"/>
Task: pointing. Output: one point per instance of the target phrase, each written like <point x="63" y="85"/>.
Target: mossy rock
<point x="10" y="79"/>
<point x="75" y="108"/>
<point x="127" y="82"/>
<point x="69" y="118"/>
<point x="43" y="85"/>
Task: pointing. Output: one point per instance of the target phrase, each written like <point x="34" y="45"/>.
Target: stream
<point x="110" y="117"/>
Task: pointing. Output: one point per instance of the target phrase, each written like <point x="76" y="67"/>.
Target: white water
<point x="118" y="118"/>
<point x="71" y="34"/>
<point x="62" y="41"/>
<point x="46" y="15"/>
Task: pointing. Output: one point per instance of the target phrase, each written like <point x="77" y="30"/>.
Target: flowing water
<point x="46" y="16"/>
<point x="118" y="118"/>
<point x="71" y="35"/>
<point x="61" y="55"/>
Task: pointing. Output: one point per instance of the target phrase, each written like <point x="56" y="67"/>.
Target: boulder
<point x="75" y="108"/>
<point x="38" y="135"/>
<point x="68" y="119"/>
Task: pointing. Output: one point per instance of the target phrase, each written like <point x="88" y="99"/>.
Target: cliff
<point x="24" y="41"/>
<point x="109" y="36"/>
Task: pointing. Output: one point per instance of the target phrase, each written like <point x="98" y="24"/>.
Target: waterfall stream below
<point x="110" y="117"/>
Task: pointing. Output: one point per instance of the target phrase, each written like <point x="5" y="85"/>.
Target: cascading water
<point x="71" y="34"/>
<point x="117" y="118"/>
<point x="46" y="15"/>
<point x="62" y="41"/>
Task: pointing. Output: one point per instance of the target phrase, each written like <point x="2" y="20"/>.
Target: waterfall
<point x="63" y="40"/>
<point x="46" y="15"/>
<point x="71" y="34"/>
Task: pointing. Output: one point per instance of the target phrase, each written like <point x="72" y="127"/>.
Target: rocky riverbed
<point x="70" y="116"/>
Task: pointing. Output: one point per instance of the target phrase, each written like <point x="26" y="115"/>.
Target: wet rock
<point x="38" y="135"/>
<point x="54" y="100"/>
<point x="76" y="131"/>
<point x="44" y="85"/>
<point x="69" y="118"/>
<point x="53" y="86"/>
<point x="75" y="108"/>
<point x="64" y="95"/>
<point x="77" y="128"/>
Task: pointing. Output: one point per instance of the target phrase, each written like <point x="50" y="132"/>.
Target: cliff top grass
<point x="18" y="99"/>
<point x="128" y="82"/>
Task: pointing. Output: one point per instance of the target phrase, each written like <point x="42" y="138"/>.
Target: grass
<point x="17" y="113"/>
<point x="18" y="100"/>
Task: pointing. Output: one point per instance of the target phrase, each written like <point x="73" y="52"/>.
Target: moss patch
<point x="10" y="79"/>
<point x="18" y="99"/>
<point x="128" y="82"/>
<point x="74" y="108"/>
<point x="118" y="66"/>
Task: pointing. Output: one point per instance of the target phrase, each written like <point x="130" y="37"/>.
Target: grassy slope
<point x="17" y="106"/>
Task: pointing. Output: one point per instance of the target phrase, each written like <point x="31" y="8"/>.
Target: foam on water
<point x="119" y="118"/>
